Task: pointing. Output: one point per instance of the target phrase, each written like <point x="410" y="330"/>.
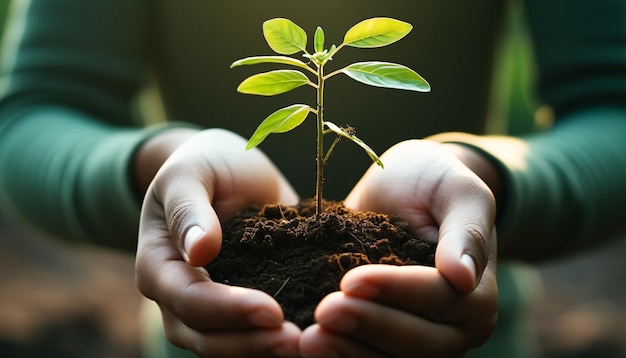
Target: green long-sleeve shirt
<point x="73" y="71"/>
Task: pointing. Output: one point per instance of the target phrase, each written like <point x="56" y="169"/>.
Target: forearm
<point x="68" y="174"/>
<point x="571" y="190"/>
<point x="78" y="178"/>
<point x="68" y="130"/>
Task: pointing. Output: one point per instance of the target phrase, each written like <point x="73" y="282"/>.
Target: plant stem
<point x="330" y="149"/>
<point x="320" y="140"/>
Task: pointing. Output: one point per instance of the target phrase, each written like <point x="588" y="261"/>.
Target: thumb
<point x="463" y="255"/>
<point x="192" y="223"/>
<point x="467" y="240"/>
<point x="202" y="237"/>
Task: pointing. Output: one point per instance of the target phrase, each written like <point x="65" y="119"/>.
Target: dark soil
<point x="299" y="258"/>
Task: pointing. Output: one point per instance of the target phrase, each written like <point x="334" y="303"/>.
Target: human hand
<point x="415" y="310"/>
<point x="207" y="179"/>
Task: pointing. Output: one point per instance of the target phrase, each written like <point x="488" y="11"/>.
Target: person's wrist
<point x="153" y="153"/>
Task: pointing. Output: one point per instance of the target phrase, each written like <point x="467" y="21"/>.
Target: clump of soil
<point x="298" y="258"/>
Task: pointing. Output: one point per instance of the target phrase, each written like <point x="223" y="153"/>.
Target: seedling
<point x="286" y="38"/>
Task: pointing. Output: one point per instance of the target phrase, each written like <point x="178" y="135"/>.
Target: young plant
<point x="286" y="38"/>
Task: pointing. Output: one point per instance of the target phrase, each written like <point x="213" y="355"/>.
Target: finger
<point x="156" y="252"/>
<point x="463" y="255"/>
<point x="424" y="292"/>
<point x="178" y="205"/>
<point x="189" y="295"/>
<point x="417" y="289"/>
<point x="188" y="292"/>
<point x="281" y="341"/>
<point x="466" y="233"/>
<point x="207" y="180"/>
<point x="388" y="330"/>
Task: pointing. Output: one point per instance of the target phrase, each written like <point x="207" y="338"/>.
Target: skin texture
<point x="443" y="312"/>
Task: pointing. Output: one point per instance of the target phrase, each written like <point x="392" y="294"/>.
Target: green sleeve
<point x="67" y="128"/>
<point x="565" y="188"/>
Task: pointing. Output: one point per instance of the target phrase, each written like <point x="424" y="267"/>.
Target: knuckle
<point x="177" y="218"/>
<point x="477" y="244"/>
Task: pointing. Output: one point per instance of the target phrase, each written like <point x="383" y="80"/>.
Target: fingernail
<point x="468" y="262"/>
<point x="361" y="289"/>
<point x="193" y="235"/>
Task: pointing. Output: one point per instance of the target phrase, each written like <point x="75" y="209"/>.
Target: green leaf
<point x="270" y="59"/>
<point x="319" y="39"/>
<point x="284" y="37"/>
<point x="333" y="127"/>
<point x="331" y="51"/>
<point x="281" y="121"/>
<point x="376" y="32"/>
<point x="273" y="83"/>
<point x="388" y="75"/>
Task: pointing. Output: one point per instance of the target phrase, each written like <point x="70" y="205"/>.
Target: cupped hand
<point x="207" y="179"/>
<point x="415" y="311"/>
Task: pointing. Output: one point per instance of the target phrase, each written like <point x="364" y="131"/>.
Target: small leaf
<point x="284" y="37"/>
<point x="273" y="83"/>
<point x="376" y="32"/>
<point x="388" y="75"/>
<point x="331" y="51"/>
<point x="281" y="121"/>
<point x="270" y="59"/>
<point x="319" y="39"/>
<point x="333" y="127"/>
